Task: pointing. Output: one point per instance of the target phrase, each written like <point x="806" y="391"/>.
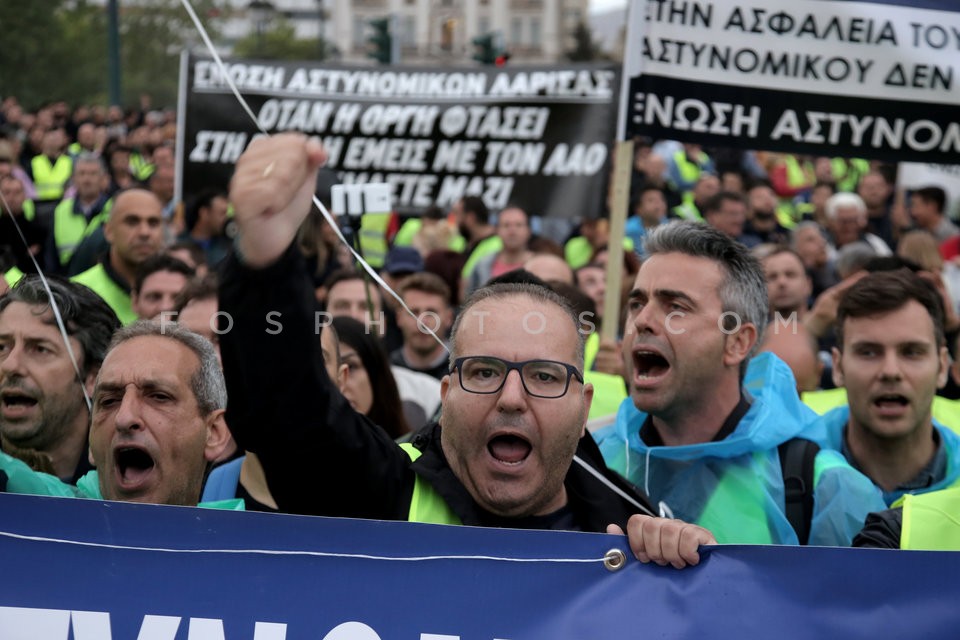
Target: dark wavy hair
<point x="387" y="409"/>
<point x="85" y="315"/>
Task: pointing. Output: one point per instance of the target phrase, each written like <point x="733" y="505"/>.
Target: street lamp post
<point x="113" y="52"/>
<point x="261" y="12"/>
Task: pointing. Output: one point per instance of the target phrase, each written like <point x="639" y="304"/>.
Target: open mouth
<point x="648" y="364"/>
<point x="16" y="402"/>
<point x="133" y="465"/>
<point x="509" y="449"/>
<point x="890" y="401"/>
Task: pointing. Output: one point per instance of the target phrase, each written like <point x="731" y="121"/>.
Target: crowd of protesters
<point x="829" y="272"/>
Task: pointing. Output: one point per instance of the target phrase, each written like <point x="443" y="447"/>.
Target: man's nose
<point x="128" y="415"/>
<point x="12" y="361"/>
<point x="513" y="395"/>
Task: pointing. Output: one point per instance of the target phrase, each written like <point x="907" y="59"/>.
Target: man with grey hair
<point x="76" y="218"/>
<point x="847" y="223"/>
<point x="157" y="421"/>
<point x="510" y="449"/>
<point x="701" y="431"/>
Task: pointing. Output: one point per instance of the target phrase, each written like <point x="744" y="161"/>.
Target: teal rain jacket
<point x="22" y="479"/>
<point x="734" y="487"/>
<point x="828" y="430"/>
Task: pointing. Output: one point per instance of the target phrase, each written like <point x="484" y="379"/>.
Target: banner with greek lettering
<point x="855" y="79"/>
<point x="537" y="137"/>
<point x="88" y="570"/>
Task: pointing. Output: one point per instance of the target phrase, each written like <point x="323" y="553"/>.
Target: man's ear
<point x="135" y="301"/>
<point x="587" y="402"/>
<point x="90" y="381"/>
<point x="108" y="231"/>
<point x="739" y="344"/>
<point x="444" y="389"/>
<point x="837" y="366"/>
<point x="218" y="435"/>
<point x="944" y="368"/>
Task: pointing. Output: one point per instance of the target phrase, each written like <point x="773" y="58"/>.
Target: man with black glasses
<point x="509" y="449"/>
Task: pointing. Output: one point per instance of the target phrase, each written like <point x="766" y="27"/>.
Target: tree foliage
<point x="280" y="42"/>
<point x="57" y="49"/>
<point x="585" y="49"/>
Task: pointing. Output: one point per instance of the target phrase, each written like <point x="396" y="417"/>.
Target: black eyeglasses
<point x="540" y="378"/>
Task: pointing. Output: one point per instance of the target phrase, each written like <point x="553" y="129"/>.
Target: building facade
<point x="428" y="31"/>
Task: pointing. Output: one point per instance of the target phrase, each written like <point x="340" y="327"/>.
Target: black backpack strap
<point x="797" y="457"/>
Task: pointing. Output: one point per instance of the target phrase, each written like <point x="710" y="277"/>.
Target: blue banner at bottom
<point x="88" y="570"/>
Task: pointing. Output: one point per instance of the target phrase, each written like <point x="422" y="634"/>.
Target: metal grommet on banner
<point x="614" y="560"/>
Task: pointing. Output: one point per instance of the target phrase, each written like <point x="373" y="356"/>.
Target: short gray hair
<point x="743" y="290"/>
<point x="207" y="382"/>
<point x="844" y="200"/>
<point x="535" y="292"/>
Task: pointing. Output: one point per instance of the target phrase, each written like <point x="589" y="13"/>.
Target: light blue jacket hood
<point x="776" y="415"/>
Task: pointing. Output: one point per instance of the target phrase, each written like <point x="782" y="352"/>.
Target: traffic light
<point x="485" y="49"/>
<point x="381" y="41"/>
<point x="502" y="59"/>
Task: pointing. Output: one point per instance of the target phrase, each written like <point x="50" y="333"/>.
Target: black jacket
<point x="319" y="455"/>
<point x="882" y="530"/>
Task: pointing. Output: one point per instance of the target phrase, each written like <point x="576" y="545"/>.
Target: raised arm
<point x="320" y="457"/>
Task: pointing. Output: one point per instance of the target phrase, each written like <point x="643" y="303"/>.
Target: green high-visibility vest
<point x="426" y="505"/>
<point x="96" y="278"/>
<point x="70" y="229"/>
<point x="29" y="210"/>
<point x="931" y="521"/>
<point x="373" y="238"/>
<point x="13" y="276"/>
<point x="50" y="179"/>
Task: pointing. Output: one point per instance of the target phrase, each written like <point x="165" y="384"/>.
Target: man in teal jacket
<point x="157" y="422"/>
<point x="891" y="356"/>
<point x="695" y="434"/>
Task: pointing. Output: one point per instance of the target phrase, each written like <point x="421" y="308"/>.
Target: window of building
<point x="448" y="30"/>
<point x="359" y="31"/>
<point x="535" y="35"/>
<point x="516" y="32"/>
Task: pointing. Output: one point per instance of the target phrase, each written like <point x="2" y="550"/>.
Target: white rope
<point x="316" y="554"/>
<point x="617" y="490"/>
<point x="316" y="201"/>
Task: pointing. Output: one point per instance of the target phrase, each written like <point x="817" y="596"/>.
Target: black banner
<point x="731" y="116"/>
<point x="536" y="137"/>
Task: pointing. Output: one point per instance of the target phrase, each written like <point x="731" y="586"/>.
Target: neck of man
<point x="65" y="451"/>
<point x="788" y="312"/>
<point x="124" y="269"/>
<point x="87" y="201"/>
<point x="518" y="256"/>
<point x="481" y="232"/>
<point x="699" y="421"/>
<point x="200" y="233"/>
<point x="421" y="358"/>
<point x="891" y="462"/>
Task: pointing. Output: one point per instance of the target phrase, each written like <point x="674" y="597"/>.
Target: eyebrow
<point x="146" y="385"/>
<point x="899" y="345"/>
<point x="9" y="337"/>
<point x="664" y="294"/>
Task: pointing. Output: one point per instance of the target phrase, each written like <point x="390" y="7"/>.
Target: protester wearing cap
<point x="400" y="263"/>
